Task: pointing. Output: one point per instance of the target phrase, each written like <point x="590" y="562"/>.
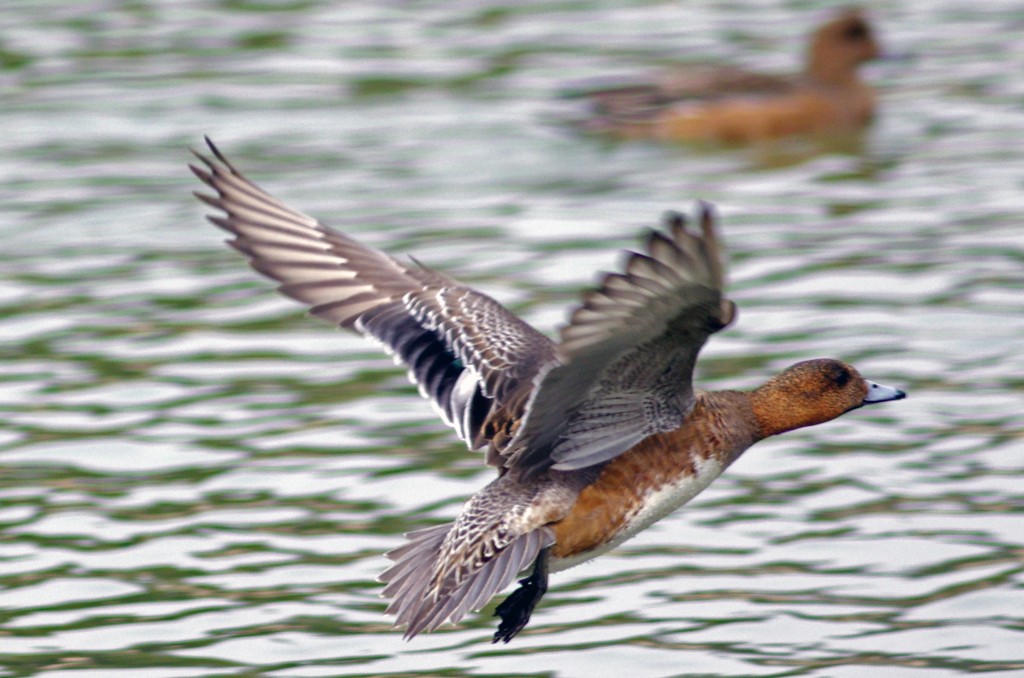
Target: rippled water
<point x="196" y="480"/>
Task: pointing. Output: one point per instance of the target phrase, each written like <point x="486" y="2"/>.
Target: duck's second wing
<point x="465" y="351"/>
<point x="626" y="360"/>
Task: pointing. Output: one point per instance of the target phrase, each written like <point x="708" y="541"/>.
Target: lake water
<point x="196" y="480"/>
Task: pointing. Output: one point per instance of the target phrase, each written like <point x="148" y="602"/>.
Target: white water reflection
<point x="117" y="455"/>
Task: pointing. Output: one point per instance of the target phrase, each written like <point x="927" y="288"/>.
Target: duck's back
<point x="804" y="110"/>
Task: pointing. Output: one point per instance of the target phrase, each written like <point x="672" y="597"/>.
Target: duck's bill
<point x="877" y="393"/>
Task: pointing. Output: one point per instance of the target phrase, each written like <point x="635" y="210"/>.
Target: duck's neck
<point x="781" y="406"/>
<point x="828" y="73"/>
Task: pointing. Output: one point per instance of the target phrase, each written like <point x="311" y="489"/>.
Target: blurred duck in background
<point x="725" y="104"/>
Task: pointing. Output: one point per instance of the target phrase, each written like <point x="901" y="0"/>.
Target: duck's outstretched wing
<point x="465" y="351"/>
<point x="626" y="360"/>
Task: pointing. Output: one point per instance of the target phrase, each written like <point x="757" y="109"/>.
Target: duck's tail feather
<point x="415" y="602"/>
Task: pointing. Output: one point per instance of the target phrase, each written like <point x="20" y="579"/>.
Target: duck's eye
<point x="856" y="31"/>
<point x="840" y="376"/>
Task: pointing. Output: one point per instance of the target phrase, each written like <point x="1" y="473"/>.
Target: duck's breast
<point x="645" y="484"/>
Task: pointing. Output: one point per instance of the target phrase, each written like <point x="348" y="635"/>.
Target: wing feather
<point x="465" y="351"/>
<point x="626" y="358"/>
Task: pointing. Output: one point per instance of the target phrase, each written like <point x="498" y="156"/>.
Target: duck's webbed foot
<point x="515" y="610"/>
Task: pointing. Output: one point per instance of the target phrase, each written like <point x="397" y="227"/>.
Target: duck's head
<point x="813" y="392"/>
<point x="838" y="47"/>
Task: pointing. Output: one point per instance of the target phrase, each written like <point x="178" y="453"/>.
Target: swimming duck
<point x="726" y="104"/>
<point x="594" y="437"/>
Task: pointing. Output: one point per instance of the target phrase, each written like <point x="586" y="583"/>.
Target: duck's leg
<point x="516" y="609"/>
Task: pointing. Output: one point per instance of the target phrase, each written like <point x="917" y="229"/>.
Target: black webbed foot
<point x="515" y="610"/>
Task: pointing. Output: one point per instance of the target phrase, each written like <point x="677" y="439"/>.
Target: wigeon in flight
<point x="594" y="437"/>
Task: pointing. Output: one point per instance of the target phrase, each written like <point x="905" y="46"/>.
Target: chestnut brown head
<point x="839" y="47"/>
<point x="813" y="392"/>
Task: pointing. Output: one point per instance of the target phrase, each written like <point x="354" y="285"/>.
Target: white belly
<point x="657" y="504"/>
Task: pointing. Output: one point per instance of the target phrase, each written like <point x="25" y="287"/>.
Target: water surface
<point x="197" y="480"/>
